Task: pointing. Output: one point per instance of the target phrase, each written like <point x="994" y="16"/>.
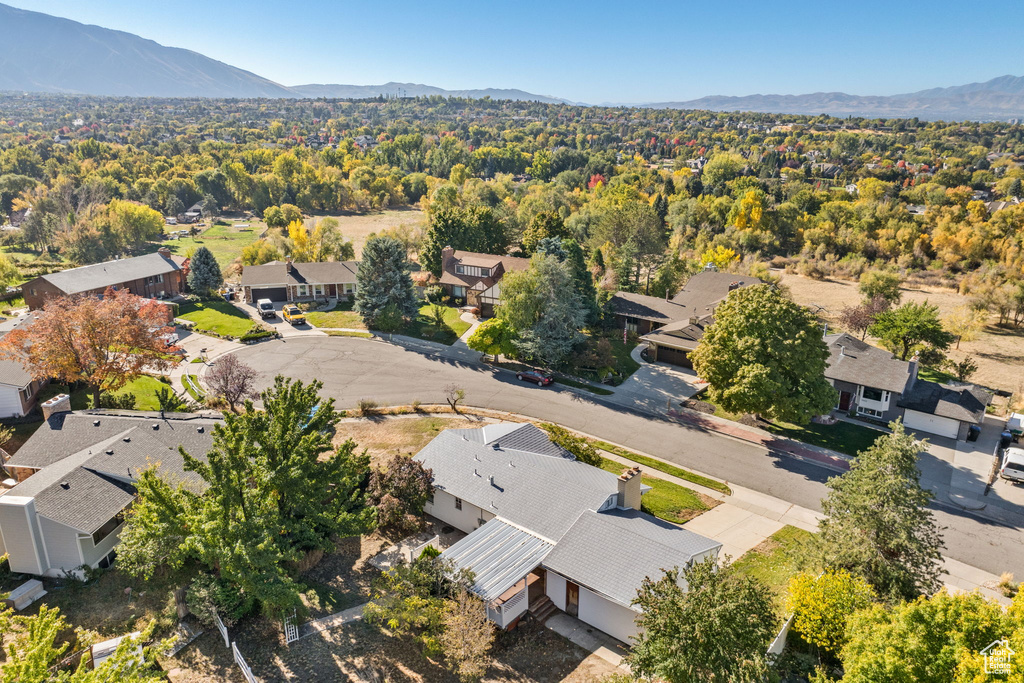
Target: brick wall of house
<point x="38" y="291"/>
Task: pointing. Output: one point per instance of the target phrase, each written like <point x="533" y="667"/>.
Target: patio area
<point x="438" y="534"/>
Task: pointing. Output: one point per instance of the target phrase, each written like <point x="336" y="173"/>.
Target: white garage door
<point x="942" y="426"/>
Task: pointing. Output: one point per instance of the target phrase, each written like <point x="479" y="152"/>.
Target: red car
<point x="540" y="378"/>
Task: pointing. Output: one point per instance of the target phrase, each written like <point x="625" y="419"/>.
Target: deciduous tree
<point x="909" y="326"/>
<point x="822" y="605"/>
<point x="709" y="625"/>
<point x="399" y="489"/>
<point x="493" y="337"/>
<point x="881" y="283"/>
<point x="467" y="636"/>
<point x="877" y="522"/>
<point x="102" y="343"/>
<point x="764" y="354"/>
<point x="232" y="379"/>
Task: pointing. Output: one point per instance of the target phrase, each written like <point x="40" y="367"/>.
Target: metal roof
<point x="499" y="554"/>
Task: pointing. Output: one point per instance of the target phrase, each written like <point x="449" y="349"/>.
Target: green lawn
<point x="624" y="363"/>
<point x="145" y="389"/>
<point x="600" y="391"/>
<point x="341" y="315"/>
<point x="196" y="393"/>
<point x="422" y="327"/>
<point x="935" y="375"/>
<point x="349" y="333"/>
<point x="665" y="500"/>
<point x="842" y="436"/>
<point x="653" y="464"/>
<point x="776" y="560"/>
<point x="216" y="316"/>
<point x="225" y="241"/>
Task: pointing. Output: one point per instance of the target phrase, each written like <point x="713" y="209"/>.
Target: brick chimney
<point x="288" y="264"/>
<point x="914" y="363"/>
<point x="446" y="254"/>
<point x="735" y="284"/>
<point x="629" y="489"/>
<point x="58" y="404"/>
<point x="164" y="251"/>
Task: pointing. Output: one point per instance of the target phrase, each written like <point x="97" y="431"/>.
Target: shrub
<point x="822" y="604"/>
<point x="117" y="401"/>
<point x="367" y="407"/>
<point x="577" y="445"/>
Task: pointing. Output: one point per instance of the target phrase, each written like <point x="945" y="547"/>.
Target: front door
<point x="844" y="400"/>
<point x="572" y="599"/>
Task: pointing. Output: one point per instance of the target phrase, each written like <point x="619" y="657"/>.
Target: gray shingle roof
<point x="95" y="461"/>
<point x="648" y="307"/>
<point x="537" y="491"/>
<point x="851" y="360"/>
<point x="964" y="403"/>
<point x="706" y="288"/>
<point x="499" y="554"/>
<point x="14" y="373"/>
<point x="612" y="552"/>
<point x="102" y="275"/>
<point x="277" y="274"/>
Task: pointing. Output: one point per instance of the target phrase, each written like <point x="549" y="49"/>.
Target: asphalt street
<point x="351" y="369"/>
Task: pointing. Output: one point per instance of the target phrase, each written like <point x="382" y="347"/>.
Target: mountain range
<point x="43" y="53"/>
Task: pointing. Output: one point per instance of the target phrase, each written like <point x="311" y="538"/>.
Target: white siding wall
<point x="94" y="553"/>
<point x="10" y="401"/>
<point x="61" y="546"/>
<point x="933" y="424"/>
<point x="556" y="589"/>
<point x="17" y="517"/>
<point x="610" y="617"/>
<point x="466" y="519"/>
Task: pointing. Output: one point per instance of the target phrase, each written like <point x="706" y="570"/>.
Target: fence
<point x="779" y="644"/>
<point x="415" y="551"/>
<point x="291" y="628"/>
<point x="223" y="629"/>
<point x="240" y="661"/>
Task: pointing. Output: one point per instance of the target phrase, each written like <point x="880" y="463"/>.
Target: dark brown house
<point x="476" y="278"/>
<point x="154" y="276"/>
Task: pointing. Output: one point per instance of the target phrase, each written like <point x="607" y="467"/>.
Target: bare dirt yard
<point x="357" y="228"/>
<point x="999" y="351"/>
<point x="385" y="435"/>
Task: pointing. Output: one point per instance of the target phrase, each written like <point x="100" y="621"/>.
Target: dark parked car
<point x="541" y="378"/>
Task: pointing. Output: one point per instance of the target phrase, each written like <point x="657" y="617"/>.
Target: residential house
<point x="874" y="384"/>
<point x="476" y="278"/>
<point x="19" y="392"/>
<point x="543" y="527"/>
<point x="672" y="328"/>
<point x="156" y="276"/>
<point x="76" y="479"/>
<point x="287" y="281"/>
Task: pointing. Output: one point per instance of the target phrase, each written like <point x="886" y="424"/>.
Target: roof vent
<point x="156" y="426"/>
<point x="475" y="473"/>
<point x="511" y="464"/>
<point x="64" y="485"/>
<point x="496" y="446"/>
<point x="492" y="480"/>
<point x="110" y="451"/>
<point x="200" y="429"/>
<point x="95" y="423"/>
<point x="127" y="439"/>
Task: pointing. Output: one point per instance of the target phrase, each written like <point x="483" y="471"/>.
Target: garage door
<point x="272" y="293"/>
<point x="673" y="356"/>
<point x="942" y="426"/>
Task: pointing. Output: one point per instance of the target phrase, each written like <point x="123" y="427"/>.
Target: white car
<point x="1012" y="468"/>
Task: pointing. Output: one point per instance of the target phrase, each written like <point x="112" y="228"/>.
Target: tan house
<point x="287" y="281"/>
<point x="476" y="277"/>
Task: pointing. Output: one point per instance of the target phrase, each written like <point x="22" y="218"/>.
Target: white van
<point x="1012" y="467"/>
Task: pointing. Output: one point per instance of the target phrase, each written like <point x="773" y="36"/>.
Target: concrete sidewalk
<point x="589" y="638"/>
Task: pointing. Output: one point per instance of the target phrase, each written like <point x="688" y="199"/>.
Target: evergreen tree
<point x="476" y="228"/>
<point x="583" y="281"/>
<point x="877" y="523"/>
<point x="204" y="276"/>
<point x="383" y="281"/>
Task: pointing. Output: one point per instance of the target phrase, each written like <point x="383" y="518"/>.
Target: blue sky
<point x="597" y="51"/>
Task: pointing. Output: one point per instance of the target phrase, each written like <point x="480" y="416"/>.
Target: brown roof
<point x="277" y="273"/>
<point x="499" y="265"/>
<point x="851" y="360"/>
<point x="703" y="291"/>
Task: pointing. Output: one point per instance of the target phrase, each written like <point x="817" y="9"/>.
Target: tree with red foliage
<point x="103" y="343"/>
<point x="596" y="179"/>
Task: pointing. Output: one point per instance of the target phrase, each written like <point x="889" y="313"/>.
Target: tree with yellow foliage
<point x="720" y="257"/>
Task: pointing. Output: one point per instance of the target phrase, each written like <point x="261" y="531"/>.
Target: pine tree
<point x="204" y="276"/>
<point x="878" y="525"/>
<point x="383" y="281"/>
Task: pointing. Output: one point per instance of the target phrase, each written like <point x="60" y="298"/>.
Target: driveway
<point x="360" y="368"/>
<point x="654" y="385"/>
<point x="285" y="329"/>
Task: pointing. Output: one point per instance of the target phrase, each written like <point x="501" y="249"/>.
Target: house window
<point x="473" y="271"/>
<point x="318" y="290"/>
<point x="26" y="393"/>
<point x="108" y="560"/>
<point x="458" y="503"/>
<point x="870" y="412"/>
<point x="301" y="290"/>
<point x="872" y="394"/>
<point x="350" y="289"/>
<point x="108" y="528"/>
<point x="458" y="291"/>
<point x="632" y="324"/>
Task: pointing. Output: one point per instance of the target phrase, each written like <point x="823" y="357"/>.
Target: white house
<point x="19" y="393"/>
<point x="76" y="479"/>
<point x="544" y="527"/>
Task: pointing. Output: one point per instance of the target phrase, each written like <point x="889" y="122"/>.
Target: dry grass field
<point x="998" y="351"/>
<point x="357" y="228"/>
